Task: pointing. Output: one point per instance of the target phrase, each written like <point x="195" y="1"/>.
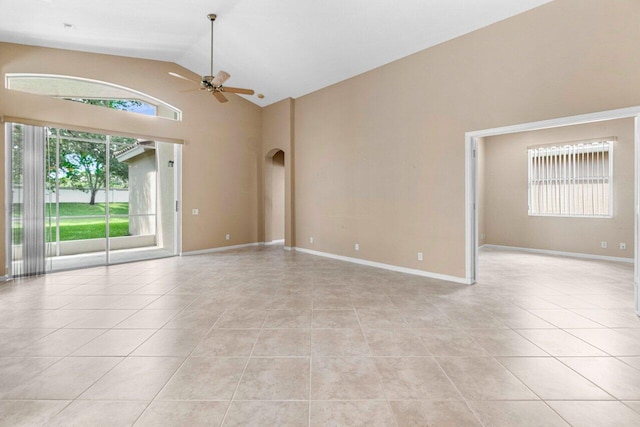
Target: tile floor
<point x="265" y="337"/>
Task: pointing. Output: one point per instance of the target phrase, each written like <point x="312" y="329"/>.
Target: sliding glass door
<point x="81" y="199"/>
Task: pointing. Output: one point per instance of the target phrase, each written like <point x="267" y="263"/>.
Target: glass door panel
<point x="75" y="201"/>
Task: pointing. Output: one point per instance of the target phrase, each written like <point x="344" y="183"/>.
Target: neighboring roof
<point x="134" y="150"/>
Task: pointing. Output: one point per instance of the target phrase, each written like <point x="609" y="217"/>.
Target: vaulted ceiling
<point x="280" y="48"/>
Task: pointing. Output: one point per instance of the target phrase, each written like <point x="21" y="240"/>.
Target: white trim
<point x="221" y="249"/>
<point x="559" y="253"/>
<point x="385" y="266"/>
<point x="4" y="278"/>
<point x="288" y="248"/>
<point x="274" y="242"/>
<point x="636" y="216"/>
<point x="471" y="223"/>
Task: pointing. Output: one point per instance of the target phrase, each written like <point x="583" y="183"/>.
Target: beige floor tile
<point x="615" y="377"/>
<point x="611" y="341"/>
<point x="148" y="319"/>
<point x="204" y="378"/>
<point x="17" y="370"/>
<point x="565" y="319"/>
<point x="115" y="342"/>
<point x="275" y="379"/>
<point x="102" y="319"/>
<point x="258" y="414"/>
<point x="283" y="342"/>
<point x="331" y="302"/>
<point x="344" y="319"/>
<point x="450" y="342"/>
<point x="505" y="342"/>
<point x="338" y="342"/>
<point x="61" y="342"/>
<point x="552" y="380"/>
<point x="559" y="343"/>
<point x="288" y="319"/>
<point x="352" y="413"/>
<point x="519" y="318"/>
<point x="171" y="302"/>
<point x="183" y="414"/>
<point x="597" y="414"/>
<point x="394" y="342"/>
<point x="631" y="361"/>
<point x="131" y="302"/>
<point x="65" y="379"/>
<point x="195" y="319"/>
<point x="227" y="342"/>
<point x="14" y="340"/>
<point x="611" y="318"/>
<point x="426" y="319"/>
<point x="170" y="342"/>
<point x="483" y="378"/>
<point x="381" y="319"/>
<point x="445" y="414"/>
<point x="135" y="378"/>
<point x="414" y="378"/>
<point x="345" y="379"/>
<point x="242" y="319"/>
<point x="471" y="318"/>
<point x="633" y="404"/>
<point x="521" y="414"/>
<point x="29" y="413"/>
<point x="82" y="413"/>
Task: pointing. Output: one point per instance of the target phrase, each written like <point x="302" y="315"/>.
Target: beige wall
<point x="380" y="157"/>
<point x="506" y="220"/>
<point x="222" y="142"/>
<point x="277" y="134"/>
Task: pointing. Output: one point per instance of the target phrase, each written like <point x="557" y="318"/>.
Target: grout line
<point x="384" y="392"/>
<point x="243" y="370"/>
<point x="179" y="367"/>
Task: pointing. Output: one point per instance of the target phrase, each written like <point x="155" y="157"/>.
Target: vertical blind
<point x="26" y="174"/>
<point x="571" y="180"/>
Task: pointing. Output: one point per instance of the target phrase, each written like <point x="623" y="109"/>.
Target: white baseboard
<point x="559" y="253"/>
<point x="274" y="242"/>
<point x="288" y="248"/>
<point x="221" y="249"/>
<point x="386" y="266"/>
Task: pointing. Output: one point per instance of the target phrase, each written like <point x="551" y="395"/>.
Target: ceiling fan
<point x="211" y="83"/>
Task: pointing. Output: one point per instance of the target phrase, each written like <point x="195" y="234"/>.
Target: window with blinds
<point x="571" y="180"/>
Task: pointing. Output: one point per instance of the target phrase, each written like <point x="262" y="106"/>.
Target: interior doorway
<point x="473" y="234"/>
<point x="79" y="199"/>
<point x="274" y="214"/>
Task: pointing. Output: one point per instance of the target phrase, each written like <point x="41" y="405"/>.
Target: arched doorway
<point x="275" y="197"/>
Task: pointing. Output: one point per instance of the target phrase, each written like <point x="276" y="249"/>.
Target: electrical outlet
<point x="228" y="237"/>
<point x="311" y="240"/>
<point x="603" y="245"/>
<point x="623" y="246"/>
<point x="420" y="257"/>
<point x="195" y="212"/>
<point x="356" y="247"/>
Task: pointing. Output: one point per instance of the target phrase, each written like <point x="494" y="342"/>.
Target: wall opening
<point x="275" y="197"/>
<point x="477" y="172"/>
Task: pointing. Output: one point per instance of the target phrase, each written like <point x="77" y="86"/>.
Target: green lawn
<point x="84" y="228"/>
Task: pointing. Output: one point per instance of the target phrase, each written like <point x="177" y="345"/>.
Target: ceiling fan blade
<point x="220" y="78"/>
<point x="220" y="97"/>
<point x="237" y="90"/>
<point x="183" y="77"/>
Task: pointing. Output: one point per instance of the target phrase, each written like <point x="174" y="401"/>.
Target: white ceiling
<point x="281" y="48"/>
